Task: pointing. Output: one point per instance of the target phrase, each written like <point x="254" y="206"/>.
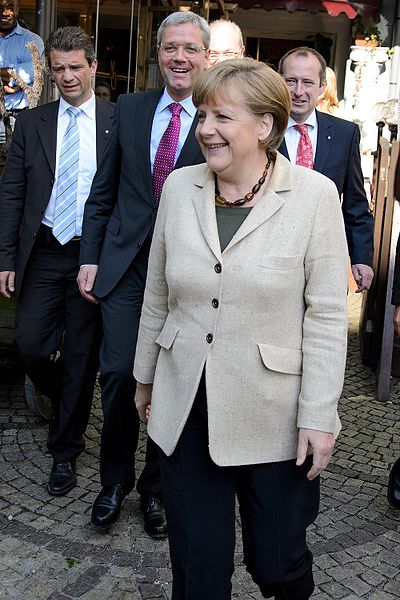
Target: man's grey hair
<point x="66" y="39"/>
<point x="180" y="18"/>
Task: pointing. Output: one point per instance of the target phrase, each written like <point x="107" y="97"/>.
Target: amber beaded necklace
<point x="220" y="200"/>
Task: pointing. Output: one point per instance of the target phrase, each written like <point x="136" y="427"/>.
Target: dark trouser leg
<point x="199" y="499"/>
<point x="121" y="311"/>
<point x="51" y="312"/>
<point x="277" y="504"/>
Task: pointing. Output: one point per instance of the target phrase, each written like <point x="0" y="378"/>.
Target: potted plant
<point x="367" y="34"/>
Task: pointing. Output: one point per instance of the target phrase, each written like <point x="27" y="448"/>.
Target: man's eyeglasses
<point x="214" y="54"/>
<point x="188" y="49"/>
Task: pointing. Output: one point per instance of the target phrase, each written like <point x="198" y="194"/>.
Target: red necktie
<point x="164" y="160"/>
<point x="304" y="156"/>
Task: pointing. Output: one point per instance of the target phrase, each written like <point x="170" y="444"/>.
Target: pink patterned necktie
<point x="164" y="160"/>
<point x="304" y="156"/>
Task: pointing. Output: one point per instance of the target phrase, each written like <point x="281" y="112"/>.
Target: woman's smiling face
<point x="229" y="134"/>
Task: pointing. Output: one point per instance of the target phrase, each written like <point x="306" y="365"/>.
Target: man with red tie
<point x="331" y="146"/>
<point x="153" y="133"/>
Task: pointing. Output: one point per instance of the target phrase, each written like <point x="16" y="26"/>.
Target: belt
<point x="46" y="236"/>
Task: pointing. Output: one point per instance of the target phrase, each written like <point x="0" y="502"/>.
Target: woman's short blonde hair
<point x="262" y="89"/>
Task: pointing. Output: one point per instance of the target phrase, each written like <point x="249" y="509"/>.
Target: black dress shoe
<point x="393" y="492"/>
<point x="154" y="517"/>
<point x="62" y="478"/>
<point x="107" y="506"/>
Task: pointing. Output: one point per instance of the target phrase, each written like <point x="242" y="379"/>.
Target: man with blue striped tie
<point x="51" y="163"/>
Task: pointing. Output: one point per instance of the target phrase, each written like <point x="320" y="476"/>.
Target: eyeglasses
<point x="223" y="54"/>
<point x="188" y="49"/>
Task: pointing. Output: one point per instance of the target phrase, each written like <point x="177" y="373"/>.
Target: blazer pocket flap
<point x="281" y="262"/>
<point x="282" y="360"/>
<point x="167" y="335"/>
<point x="113" y="225"/>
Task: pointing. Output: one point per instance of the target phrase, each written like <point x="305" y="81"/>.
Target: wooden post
<point x="388" y="254"/>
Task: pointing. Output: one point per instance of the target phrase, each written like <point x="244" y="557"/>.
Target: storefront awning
<point x="367" y="8"/>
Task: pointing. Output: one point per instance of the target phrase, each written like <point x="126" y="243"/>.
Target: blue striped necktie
<point x="67" y="181"/>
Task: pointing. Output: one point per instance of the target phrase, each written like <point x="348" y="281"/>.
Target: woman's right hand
<point x="143" y="400"/>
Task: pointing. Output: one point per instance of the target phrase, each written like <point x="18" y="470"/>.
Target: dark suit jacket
<point x="28" y="179"/>
<point x="120" y="211"/>
<point x="338" y="157"/>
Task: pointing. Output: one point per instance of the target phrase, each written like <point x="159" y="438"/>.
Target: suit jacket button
<point x="209" y="337"/>
<point x="155" y="209"/>
<point x="138" y="244"/>
<point x="215" y="303"/>
<point x="218" y="268"/>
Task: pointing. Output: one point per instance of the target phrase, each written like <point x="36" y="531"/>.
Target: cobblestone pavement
<point x="48" y="549"/>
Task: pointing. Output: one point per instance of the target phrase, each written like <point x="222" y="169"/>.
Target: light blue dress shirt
<point x="15" y="54"/>
<point x="161" y="119"/>
<point x="86" y="122"/>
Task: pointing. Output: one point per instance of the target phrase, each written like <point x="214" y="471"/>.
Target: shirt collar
<point x="18" y="30"/>
<point x="187" y="103"/>
<point x="88" y="107"/>
<point x="311" y="120"/>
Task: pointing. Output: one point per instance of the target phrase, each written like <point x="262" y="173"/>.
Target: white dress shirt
<point x="86" y="121"/>
<point x="292" y="136"/>
<point x="162" y="117"/>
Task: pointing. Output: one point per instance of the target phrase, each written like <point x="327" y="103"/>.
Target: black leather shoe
<point x="393" y="492"/>
<point x="154" y="517"/>
<point x="62" y="478"/>
<point x="107" y="506"/>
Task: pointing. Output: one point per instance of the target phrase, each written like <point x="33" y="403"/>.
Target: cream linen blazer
<point x="266" y="318"/>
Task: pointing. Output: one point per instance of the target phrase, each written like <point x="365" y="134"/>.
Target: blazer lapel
<point x="102" y="129"/>
<point x="283" y="149"/>
<point x="191" y="152"/>
<point x="143" y="122"/>
<point x="269" y="203"/>
<point x="263" y="210"/>
<point x="47" y="131"/>
<point x="325" y="140"/>
<point x="203" y="201"/>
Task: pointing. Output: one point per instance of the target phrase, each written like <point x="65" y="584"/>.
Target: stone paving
<point x="48" y="549"/>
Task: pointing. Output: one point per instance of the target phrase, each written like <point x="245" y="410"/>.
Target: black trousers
<point x="277" y="503"/>
<point x="52" y="313"/>
<point x="121" y="310"/>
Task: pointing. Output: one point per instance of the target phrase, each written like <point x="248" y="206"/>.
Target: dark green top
<point x="228" y="221"/>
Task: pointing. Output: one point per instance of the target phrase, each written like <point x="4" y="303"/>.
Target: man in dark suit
<point x="152" y="133"/>
<point x="51" y="163"/>
<point x="330" y="146"/>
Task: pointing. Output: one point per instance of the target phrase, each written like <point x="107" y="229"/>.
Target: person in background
<point x="15" y="55"/>
<point x="51" y="163"/>
<point x="331" y="146"/>
<point x="103" y="90"/>
<point x="242" y="342"/>
<point x="153" y="133"/>
<point x="328" y="102"/>
<point x="226" y="41"/>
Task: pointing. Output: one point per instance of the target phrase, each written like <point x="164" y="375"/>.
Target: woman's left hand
<point x="322" y="444"/>
<point x="143" y="400"/>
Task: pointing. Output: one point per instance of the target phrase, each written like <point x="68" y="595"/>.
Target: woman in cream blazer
<point x="241" y="351"/>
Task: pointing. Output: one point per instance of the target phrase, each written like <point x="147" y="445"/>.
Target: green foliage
<point x="71" y="562"/>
